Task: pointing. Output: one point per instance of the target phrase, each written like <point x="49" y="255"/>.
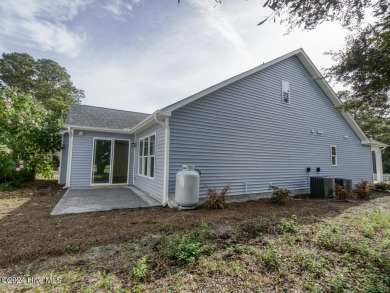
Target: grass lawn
<point x="304" y="245"/>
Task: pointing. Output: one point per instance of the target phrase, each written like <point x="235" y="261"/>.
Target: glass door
<point x="120" y="162"/>
<point x="101" y="167"/>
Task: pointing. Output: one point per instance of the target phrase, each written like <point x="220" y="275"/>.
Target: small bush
<point x="271" y="259"/>
<point x="183" y="248"/>
<point x="363" y="190"/>
<point x="6" y="187"/>
<point x="343" y="194"/>
<point x="328" y="237"/>
<point x="279" y="195"/>
<point x="186" y="248"/>
<point x="217" y="199"/>
<point x="289" y="225"/>
<point x="383" y="186"/>
<point x="141" y="269"/>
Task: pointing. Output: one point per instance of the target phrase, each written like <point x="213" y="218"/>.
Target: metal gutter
<point x="97" y="129"/>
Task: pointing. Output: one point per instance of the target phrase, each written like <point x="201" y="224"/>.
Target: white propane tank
<point x="187" y="187"/>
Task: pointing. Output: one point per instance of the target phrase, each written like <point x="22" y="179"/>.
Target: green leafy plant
<point x="28" y="137"/>
<point x="141" y="268"/>
<point x="186" y="248"/>
<point x="5" y="187"/>
<point x="328" y="236"/>
<point x="271" y="259"/>
<point x="217" y="199"/>
<point x="289" y="225"/>
<point x="363" y="190"/>
<point x="343" y="194"/>
<point x="279" y="195"/>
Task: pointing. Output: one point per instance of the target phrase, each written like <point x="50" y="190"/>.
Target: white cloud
<point x="172" y="54"/>
<point x="223" y="23"/>
<point x="40" y="24"/>
<point x="121" y="8"/>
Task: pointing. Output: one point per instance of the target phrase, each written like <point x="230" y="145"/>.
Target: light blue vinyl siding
<point x="152" y="186"/>
<point x="64" y="158"/>
<point x="244" y="134"/>
<point x="82" y="156"/>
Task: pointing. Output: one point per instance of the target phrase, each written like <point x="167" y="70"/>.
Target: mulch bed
<point x="28" y="232"/>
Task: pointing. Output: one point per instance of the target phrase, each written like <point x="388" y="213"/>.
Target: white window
<point x="333" y="155"/>
<point x="147" y="156"/>
<point x="285" y="92"/>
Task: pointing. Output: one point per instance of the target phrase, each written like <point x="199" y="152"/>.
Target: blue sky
<point x="142" y="55"/>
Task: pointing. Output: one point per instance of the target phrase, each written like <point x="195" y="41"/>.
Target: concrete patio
<point x="87" y="200"/>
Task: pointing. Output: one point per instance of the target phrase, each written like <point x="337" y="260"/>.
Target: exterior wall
<point x="153" y="186"/>
<point x="244" y="136"/>
<point x="64" y="159"/>
<point x="82" y="156"/>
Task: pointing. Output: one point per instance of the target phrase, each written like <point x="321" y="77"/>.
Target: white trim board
<point x="99" y="129"/>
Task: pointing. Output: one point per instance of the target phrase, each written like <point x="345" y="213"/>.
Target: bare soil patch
<point x="28" y="232"/>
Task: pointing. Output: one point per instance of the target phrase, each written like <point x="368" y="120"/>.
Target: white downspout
<point x="166" y="156"/>
<point x="70" y="151"/>
<point x="134" y="156"/>
<point x="59" y="168"/>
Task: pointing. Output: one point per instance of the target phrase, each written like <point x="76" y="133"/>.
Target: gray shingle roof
<point x="90" y="116"/>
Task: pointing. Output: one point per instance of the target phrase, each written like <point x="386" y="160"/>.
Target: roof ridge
<point x="109" y="109"/>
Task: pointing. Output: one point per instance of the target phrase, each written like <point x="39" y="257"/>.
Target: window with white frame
<point x="285" y="92"/>
<point x="147" y="156"/>
<point x="333" y="155"/>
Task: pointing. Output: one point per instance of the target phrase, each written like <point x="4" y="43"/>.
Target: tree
<point x="28" y="140"/>
<point x="44" y="79"/>
<point x="309" y="14"/>
<point x="364" y="66"/>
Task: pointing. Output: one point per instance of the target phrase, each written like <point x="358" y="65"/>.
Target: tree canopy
<point x="35" y="96"/>
<point x="309" y="14"/>
<point x="44" y="79"/>
<point x="28" y="140"/>
<point x="364" y="67"/>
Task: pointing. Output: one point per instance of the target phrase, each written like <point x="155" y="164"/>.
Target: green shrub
<point x="289" y="225"/>
<point x="328" y="236"/>
<point x="141" y="269"/>
<point x="382" y="186"/>
<point x="28" y="137"/>
<point x="363" y="190"/>
<point x="217" y="199"/>
<point x="343" y="194"/>
<point x="5" y="187"/>
<point x="186" y="248"/>
<point x="271" y="259"/>
<point x="279" y="195"/>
